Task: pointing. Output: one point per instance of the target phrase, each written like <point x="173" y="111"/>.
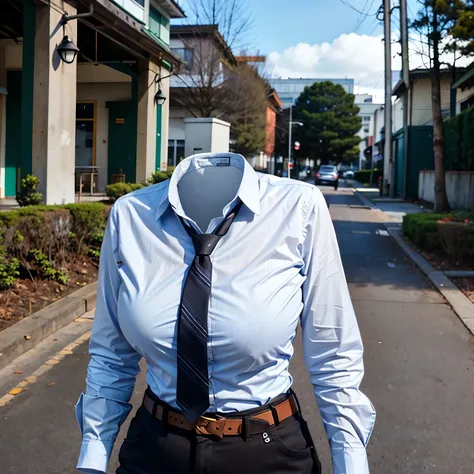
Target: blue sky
<point x="312" y="21"/>
<point x="326" y="39"/>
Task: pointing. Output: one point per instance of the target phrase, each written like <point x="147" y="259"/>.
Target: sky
<point x="328" y="39"/>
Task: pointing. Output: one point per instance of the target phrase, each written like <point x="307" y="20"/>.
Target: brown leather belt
<point x="220" y="426"/>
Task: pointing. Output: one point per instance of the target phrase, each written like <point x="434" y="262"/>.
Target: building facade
<point x="290" y="89"/>
<point x="79" y="126"/>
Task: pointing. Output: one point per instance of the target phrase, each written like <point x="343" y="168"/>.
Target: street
<point x="419" y="363"/>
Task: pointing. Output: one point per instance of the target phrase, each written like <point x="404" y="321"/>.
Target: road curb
<point x="43" y="323"/>
<point x="461" y="304"/>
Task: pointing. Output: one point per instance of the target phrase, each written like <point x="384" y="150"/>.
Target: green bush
<point x="44" y="238"/>
<point x="9" y="270"/>
<point x="117" y="190"/>
<point x="423" y="229"/>
<point x="363" y="176"/>
<point x="160" y="176"/>
<point x="28" y="196"/>
<point x="87" y="221"/>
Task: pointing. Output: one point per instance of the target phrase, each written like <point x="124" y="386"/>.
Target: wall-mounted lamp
<point x="67" y="50"/>
<point x="160" y="98"/>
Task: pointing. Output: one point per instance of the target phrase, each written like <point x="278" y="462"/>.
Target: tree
<point x="464" y="28"/>
<point x="216" y="84"/>
<point x="245" y="105"/>
<point x="330" y="123"/>
<point x="233" y="17"/>
<point x="436" y="19"/>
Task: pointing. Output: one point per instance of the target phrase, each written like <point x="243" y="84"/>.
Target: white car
<point x="349" y="174"/>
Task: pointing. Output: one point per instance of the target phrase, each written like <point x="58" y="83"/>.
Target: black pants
<point x="153" y="448"/>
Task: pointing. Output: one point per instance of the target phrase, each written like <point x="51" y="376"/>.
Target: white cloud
<point x="354" y="56"/>
<point x="360" y="57"/>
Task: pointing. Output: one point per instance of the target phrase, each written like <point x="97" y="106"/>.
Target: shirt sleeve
<point x="332" y="344"/>
<point x="113" y="367"/>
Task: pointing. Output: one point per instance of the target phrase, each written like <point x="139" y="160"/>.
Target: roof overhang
<point x="170" y="7"/>
<point x="466" y="81"/>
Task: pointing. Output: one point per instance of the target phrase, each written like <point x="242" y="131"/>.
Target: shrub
<point x="43" y="238"/>
<point x="87" y="221"/>
<point x="46" y="269"/>
<point x="160" y="176"/>
<point x="363" y="176"/>
<point x="424" y="231"/>
<point x="117" y="190"/>
<point x="457" y="239"/>
<point x="28" y="196"/>
<point x="9" y="270"/>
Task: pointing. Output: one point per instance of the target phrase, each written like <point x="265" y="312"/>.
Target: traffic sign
<point x="290" y="166"/>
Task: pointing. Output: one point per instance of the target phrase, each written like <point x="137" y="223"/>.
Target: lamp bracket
<point x="67" y="18"/>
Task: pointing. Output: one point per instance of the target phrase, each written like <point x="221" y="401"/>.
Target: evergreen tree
<point x="464" y="28"/>
<point x="330" y="121"/>
<point x="435" y="21"/>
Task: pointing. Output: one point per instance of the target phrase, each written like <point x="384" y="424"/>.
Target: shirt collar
<point x="248" y="192"/>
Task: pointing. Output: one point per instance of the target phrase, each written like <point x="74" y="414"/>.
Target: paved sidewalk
<point x="395" y="209"/>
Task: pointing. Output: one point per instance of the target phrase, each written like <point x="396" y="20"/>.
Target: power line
<point x="364" y="17"/>
<point x="352" y="7"/>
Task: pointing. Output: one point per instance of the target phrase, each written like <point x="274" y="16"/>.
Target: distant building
<point x="367" y="110"/>
<point x="290" y="89"/>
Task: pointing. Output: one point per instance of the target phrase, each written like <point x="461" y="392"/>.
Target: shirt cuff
<point x="94" y="456"/>
<point x="350" y="461"/>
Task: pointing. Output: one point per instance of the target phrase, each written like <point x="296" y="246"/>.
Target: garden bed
<point x="26" y="296"/>
<point x="446" y="241"/>
<point x="46" y="253"/>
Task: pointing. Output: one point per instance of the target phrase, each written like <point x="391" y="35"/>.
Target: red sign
<point x="290" y="166"/>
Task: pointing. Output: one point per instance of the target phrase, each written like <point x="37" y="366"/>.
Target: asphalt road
<point x="419" y="370"/>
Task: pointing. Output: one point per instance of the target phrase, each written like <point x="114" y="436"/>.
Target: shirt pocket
<point x="80" y="412"/>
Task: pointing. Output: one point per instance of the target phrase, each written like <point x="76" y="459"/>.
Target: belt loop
<point x="155" y="406"/>
<point x="276" y="419"/>
<point x="245" y="429"/>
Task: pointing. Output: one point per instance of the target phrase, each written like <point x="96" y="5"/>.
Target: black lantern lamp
<point x="67" y="50"/>
<point x="160" y="98"/>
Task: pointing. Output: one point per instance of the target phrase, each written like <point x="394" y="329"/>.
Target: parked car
<point x="349" y="174"/>
<point x="327" y="174"/>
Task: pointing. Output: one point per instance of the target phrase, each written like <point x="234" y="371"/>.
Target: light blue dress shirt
<point x="279" y="265"/>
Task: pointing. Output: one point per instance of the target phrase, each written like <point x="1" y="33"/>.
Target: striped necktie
<point x="193" y="376"/>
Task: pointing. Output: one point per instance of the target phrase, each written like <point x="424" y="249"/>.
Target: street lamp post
<point x="290" y="133"/>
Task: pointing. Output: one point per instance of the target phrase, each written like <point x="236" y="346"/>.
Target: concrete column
<point x="54" y="106"/>
<point x="146" y="123"/>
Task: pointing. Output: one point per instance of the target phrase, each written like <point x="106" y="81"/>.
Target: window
<point x="366" y="129"/>
<point x="176" y="152"/>
<point x="467" y="103"/>
<point x="186" y="55"/>
<point x="367" y="118"/>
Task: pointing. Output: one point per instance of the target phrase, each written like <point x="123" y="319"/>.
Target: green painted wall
<point x="122" y="150"/>
<point x="13" y="138"/>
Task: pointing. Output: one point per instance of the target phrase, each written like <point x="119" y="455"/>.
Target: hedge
<point x="459" y="142"/>
<point x="450" y="233"/>
<point x="117" y="190"/>
<point x="41" y="239"/>
<point x="363" y="176"/>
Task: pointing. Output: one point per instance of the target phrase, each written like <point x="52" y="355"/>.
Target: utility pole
<point x="388" y="96"/>
<point x="406" y="80"/>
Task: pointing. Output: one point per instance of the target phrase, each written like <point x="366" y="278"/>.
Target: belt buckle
<point x="203" y="428"/>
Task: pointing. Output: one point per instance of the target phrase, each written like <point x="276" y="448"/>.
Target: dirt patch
<point x="466" y="285"/>
<point x="442" y="262"/>
<point x="30" y="295"/>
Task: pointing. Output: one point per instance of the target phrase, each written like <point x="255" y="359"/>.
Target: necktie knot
<point x="204" y="244"/>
